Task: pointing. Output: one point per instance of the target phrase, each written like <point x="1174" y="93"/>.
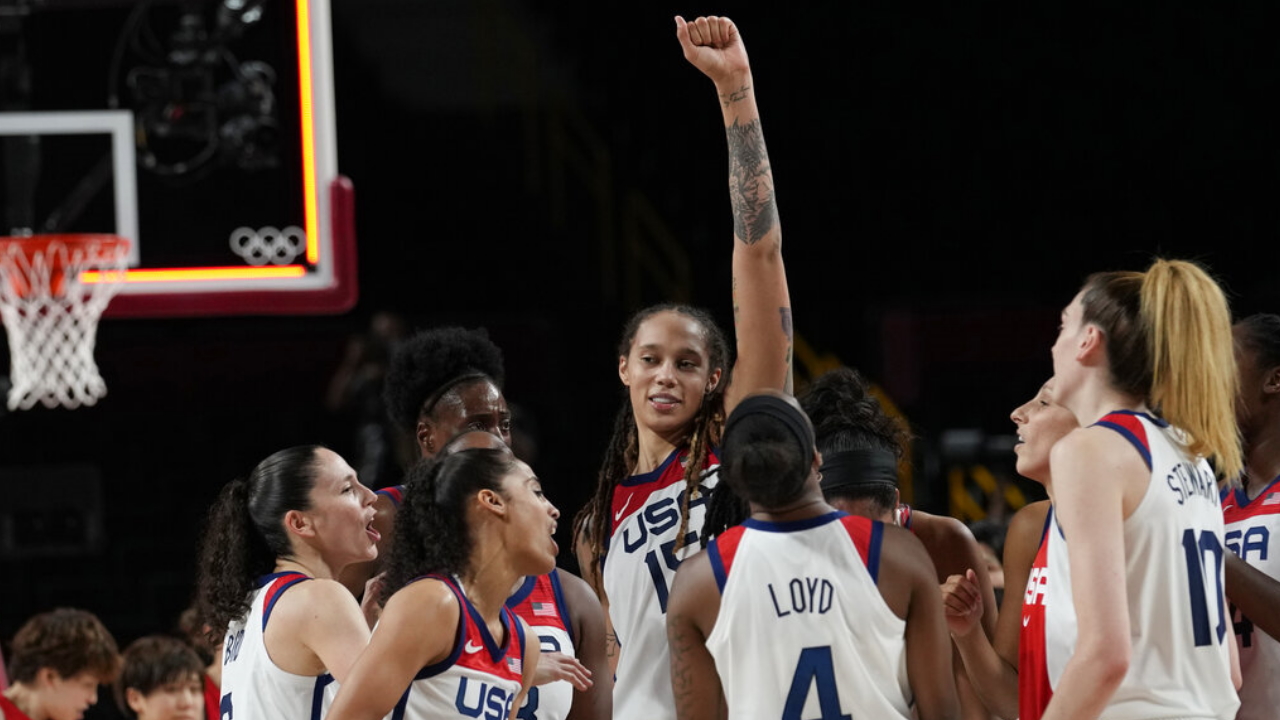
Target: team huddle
<point x="745" y="553"/>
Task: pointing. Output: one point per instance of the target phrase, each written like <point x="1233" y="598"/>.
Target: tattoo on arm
<point x="755" y="212"/>
<point x="683" y="683"/>
<point x="611" y="644"/>
<point x="733" y="97"/>
<point x="736" y="308"/>
<point x="789" y="330"/>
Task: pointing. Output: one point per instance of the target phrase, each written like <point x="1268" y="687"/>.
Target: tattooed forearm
<point x="755" y="213"/>
<point x="733" y="97"/>
<point x="683" y="682"/>
<point x="736" y="308"/>
<point x="788" y="384"/>
<point x="611" y="644"/>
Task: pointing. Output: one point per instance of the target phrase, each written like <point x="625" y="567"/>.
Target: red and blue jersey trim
<point x="279" y="582"/>
<point x="720" y="552"/>
<point x="1126" y="423"/>
<point x="1237" y="506"/>
<point x="395" y="493"/>
<point x="867" y="536"/>
<point x="632" y="494"/>
<point x="317" y="695"/>
<point x="538" y="594"/>
<point x="467" y="614"/>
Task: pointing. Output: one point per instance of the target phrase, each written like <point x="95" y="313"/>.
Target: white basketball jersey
<point x="640" y="563"/>
<point x="1250" y="524"/>
<point x="803" y="631"/>
<point x="1180" y="664"/>
<point x="253" y="687"/>
<point x="481" y="677"/>
<point x="539" y="602"/>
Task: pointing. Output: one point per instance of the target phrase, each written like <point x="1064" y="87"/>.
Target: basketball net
<point x="51" y="314"/>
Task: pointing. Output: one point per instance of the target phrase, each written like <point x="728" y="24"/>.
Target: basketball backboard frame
<point x="320" y="279"/>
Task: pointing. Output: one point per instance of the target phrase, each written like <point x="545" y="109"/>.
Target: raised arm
<point x="761" y="303"/>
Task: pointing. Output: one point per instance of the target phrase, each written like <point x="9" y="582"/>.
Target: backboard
<point x="201" y="130"/>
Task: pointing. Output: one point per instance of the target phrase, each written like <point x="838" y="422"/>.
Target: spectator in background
<point x="379" y="449"/>
<point x="161" y="678"/>
<point x="59" y="659"/>
<point x="197" y="635"/>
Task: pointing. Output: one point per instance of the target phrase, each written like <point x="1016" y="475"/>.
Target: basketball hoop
<point x="51" y="315"/>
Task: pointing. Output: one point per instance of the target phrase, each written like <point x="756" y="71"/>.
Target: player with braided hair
<point x="650" y="502"/>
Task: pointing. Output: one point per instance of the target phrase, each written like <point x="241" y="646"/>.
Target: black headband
<point x="429" y="403"/>
<point x="778" y="409"/>
<point x="859" y="468"/>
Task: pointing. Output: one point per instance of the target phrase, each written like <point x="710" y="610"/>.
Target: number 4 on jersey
<point x="814" y="669"/>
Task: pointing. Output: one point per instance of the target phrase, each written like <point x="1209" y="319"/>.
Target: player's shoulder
<point x="433" y="591"/>
<point x="940" y="528"/>
<point x="902" y="553"/>
<point x="318" y="592"/>
<point x="426" y="599"/>
<point x="577" y="592"/>
<point x="1094" y="451"/>
<point x="1031" y="516"/>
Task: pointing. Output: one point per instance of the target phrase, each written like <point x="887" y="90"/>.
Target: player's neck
<point x="1262" y="462"/>
<point x="808" y="505"/>
<point x="488" y="582"/>
<point x="308" y="564"/>
<point x="1090" y="406"/>
<point x="652" y="449"/>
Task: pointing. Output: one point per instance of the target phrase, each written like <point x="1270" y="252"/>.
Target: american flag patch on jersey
<point x="515" y="666"/>
<point x="1272" y="499"/>
<point x="543" y="609"/>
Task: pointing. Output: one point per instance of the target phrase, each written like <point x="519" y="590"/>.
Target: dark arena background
<point x="946" y="179"/>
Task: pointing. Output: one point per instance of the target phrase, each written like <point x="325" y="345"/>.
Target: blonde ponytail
<point x="1194" y="382"/>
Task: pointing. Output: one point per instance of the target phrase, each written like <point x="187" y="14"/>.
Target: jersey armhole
<point x="517" y="627"/>
<point x="562" y="608"/>
<point x="459" y="636"/>
<point x="277" y="588"/>
<point x="720" y="553"/>
<point x="867" y="536"/>
<point x="1131" y="429"/>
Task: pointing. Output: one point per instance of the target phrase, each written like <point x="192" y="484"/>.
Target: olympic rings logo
<point x="268" y="244"/>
